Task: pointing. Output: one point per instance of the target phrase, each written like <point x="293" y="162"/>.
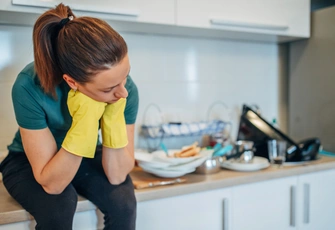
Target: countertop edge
<point x="183" y="189"/>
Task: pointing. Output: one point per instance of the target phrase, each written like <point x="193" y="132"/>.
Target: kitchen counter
<point x="227" y="178"/>
<point x="11" y="212"/>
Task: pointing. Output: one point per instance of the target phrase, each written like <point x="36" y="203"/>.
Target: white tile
<point x="7" y="118"/>
<point x="16" y="51"/>
<point x="184" y="76"/>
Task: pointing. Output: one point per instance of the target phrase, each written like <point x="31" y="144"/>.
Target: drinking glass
<point x="277" y="151"/>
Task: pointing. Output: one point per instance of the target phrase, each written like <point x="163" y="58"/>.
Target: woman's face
<point x="108" y="85"/>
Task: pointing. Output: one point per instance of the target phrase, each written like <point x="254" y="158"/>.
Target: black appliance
<point x="254" y="128"/>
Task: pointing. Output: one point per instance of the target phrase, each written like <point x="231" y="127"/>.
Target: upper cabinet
<point x="275" y="17"/>
<point x="161" y="11"/>
<point x="257" y="20"/>
<point x="144" y="11"/>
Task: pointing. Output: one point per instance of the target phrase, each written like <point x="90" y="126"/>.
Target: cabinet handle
<point x="48" y="4"/>
<point x="225" y="214"/>
<point x="292" y="205"/>
<point x="306" y="203"/>
<point x="130" y="13"/>
<point x="251" y="25"/>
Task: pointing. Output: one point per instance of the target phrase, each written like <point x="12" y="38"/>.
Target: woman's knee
<point x="121" y="200"/>
<point x="56" y="211"/>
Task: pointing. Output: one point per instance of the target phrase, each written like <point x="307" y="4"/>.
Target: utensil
<point x="210" y="166"/>
<point x="222" y="151"/>
<point x="217" y="147"/>
<point x="150" y="184"/>
<point x="164" y="148"/>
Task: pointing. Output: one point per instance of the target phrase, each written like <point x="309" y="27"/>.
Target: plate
<point x="148" y="160"/>
<point x="165" y="173"/>
<point x="160" y="155"/>
<point x="187" y="166"/>
<point x="258" y="163"/>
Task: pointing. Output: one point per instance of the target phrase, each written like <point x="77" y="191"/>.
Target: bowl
<point x="210" y="166"/>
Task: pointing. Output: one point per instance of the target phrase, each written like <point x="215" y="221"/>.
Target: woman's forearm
<point x="59" y="172"/>
<point x="52" y="170"/>
<point x="117" y="163"/>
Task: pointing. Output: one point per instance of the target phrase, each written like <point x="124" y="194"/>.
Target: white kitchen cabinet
<point x="265" y="205"/>
<point x="273" y="21"/>
<point x="316" y="201"/>
<point x="304" y="202"/>
<point x="278" y="17"/>
<point x="148" y="11"/>
<point x="196" y="211"/>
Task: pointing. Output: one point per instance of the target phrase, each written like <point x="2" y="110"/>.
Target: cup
<point x="277" y="151"/>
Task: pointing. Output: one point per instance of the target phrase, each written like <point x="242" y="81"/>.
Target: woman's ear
<point x="71" y="82"/>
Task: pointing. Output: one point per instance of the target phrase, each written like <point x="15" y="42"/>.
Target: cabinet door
<point x="280" y="17"/>
<point x="131" y="10"/>
<point x="265" y="205"/>
<point x="316" y="201"/>
<point x="197" y="211"/>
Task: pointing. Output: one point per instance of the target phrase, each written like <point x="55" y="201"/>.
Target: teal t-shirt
<point x="36" y="110"/>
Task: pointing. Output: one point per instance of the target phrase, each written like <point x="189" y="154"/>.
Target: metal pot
<point x="210" y="166"/>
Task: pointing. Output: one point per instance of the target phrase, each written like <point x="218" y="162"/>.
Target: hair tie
<point x="64" y="21"/>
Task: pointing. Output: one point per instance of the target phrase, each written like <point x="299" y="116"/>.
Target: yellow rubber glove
<point x="82" y="137"/>
<point x="113" y="125"/>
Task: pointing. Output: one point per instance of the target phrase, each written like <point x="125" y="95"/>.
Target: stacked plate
<point x="166" y="165"/>
<point x="257" y="163"/>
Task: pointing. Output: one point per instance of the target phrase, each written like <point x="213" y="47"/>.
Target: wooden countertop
<point x="11" y="212"/>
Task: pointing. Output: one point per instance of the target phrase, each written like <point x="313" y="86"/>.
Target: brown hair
<point x="80" y="48"/>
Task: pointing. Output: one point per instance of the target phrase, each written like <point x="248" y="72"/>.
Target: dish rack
<point x="177" y="134"/>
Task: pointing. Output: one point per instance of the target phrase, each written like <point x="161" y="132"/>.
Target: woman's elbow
<point x="53" y="190"/>
<point x="116" y="180"/>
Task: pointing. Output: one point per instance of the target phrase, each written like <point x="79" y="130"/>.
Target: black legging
<point x="55" y="212"/>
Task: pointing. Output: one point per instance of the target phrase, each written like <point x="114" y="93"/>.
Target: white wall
<point x="183" y="76"/>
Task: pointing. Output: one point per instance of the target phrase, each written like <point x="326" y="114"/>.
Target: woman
<point x="78" y="82"/>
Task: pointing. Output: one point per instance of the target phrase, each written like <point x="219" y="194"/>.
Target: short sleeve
<point x="132" y="102"/>
<point x="26" y="102"/>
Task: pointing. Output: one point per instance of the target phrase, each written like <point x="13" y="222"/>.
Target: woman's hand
<point x="81" y="139"/>
<point x="118" y="143"/>
<point x="113" y="125"/>
<point x="117" y="163"/>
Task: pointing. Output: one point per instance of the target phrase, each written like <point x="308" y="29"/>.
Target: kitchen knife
<point x="150" y="184"/>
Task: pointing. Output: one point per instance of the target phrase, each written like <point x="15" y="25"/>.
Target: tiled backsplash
<point x="183" y="76"/>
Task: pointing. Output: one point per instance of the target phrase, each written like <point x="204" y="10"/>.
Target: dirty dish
<point x="161" y="156"/>
<point x="186" y="166"/>
<point x="148" y="160"/>
<point x="257" y="163"/>
<point x="165" y="173"/>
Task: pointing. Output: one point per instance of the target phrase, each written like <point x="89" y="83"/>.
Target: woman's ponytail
<point x="45" y="36"/>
